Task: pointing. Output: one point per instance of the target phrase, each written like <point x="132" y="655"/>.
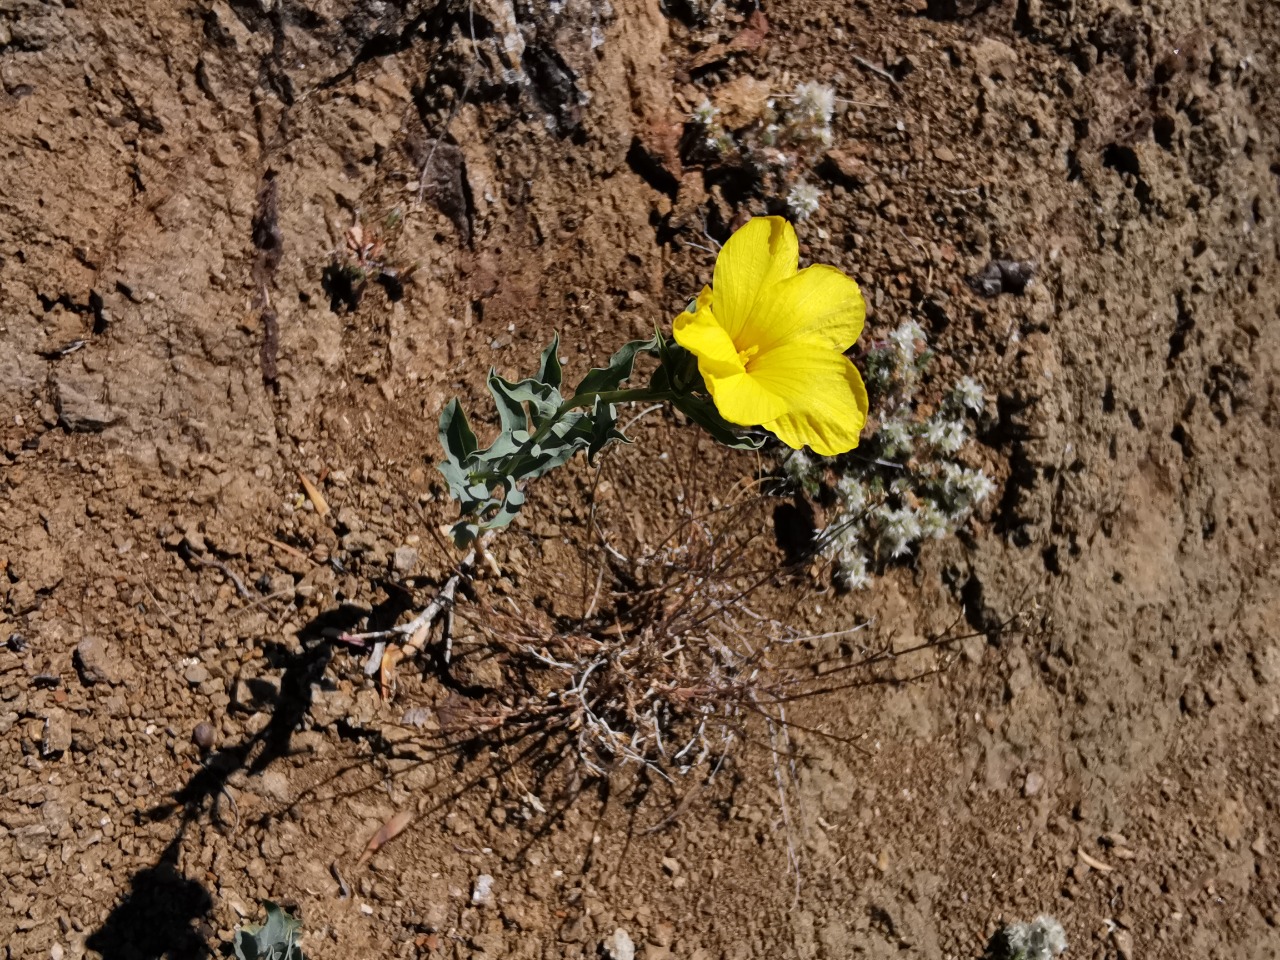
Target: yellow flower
<point x="770" y="341"/>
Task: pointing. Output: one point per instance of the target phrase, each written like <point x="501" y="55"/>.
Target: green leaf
<point x="544" y="402"/>
<point x="703" y="412"/>
<point x="619" y="369"/>
<point x="549" y="371"/>
<point x="456" y="435"/>
<point x="511" y="413"/>
<point x="277" y="939"/>
<point x="604" y="420"/>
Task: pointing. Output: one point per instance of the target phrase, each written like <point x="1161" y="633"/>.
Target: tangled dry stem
<point x="669" y="666"/>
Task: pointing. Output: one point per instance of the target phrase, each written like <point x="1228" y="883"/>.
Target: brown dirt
<point x="1129" y="717"/>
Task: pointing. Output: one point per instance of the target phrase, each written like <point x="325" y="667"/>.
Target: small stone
<point x="32" y="841"/>
<point x="619" y="945"/>
<point x="196" y="674"/>
<point x="204" y="736"/>
<point x="944" y="154"/>
<point x="275" y="785"/>
<point x="487" y="943"/>
<point x="56" y="737"/>
<point x="361" y="541"/>
<point x="846" y="166"/>
<point x="1033" y="784"/>
<point x="482" y="891"/>
<point x="79" y="409"/>
<point x="93" y="661"/>
<point x="404" y="559"/>
<point x="1124" y="944"/>
<point x="671" y="865"/>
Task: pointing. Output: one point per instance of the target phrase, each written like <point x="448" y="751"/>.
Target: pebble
<point x="204" y="736"/>
<point x="404" y="559"/>
<point x="196" y="674"/>
<point x="619" y="945"/>
<point x="1033" y="784"/>
<point x="93" y="661"/>
<point x="275" y="785"/>
<point x="482" y="891"/>
<point x="671" y="865"/>
<point x="56" y="738"/>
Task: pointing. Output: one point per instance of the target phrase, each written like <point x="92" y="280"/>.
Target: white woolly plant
<point x="1041" y="939"/>
<point x="803" y="200"/>
<point x="904" y="485"/>
<point x="807" y="114"/>
<point x="781" y="147"/>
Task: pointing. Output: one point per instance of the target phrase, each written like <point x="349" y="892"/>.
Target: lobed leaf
<point x="602" y="379"/>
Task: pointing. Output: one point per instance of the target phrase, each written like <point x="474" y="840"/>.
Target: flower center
<point x="745" y="356"/>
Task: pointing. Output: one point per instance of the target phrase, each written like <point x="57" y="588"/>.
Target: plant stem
<point x="589" y="400"/>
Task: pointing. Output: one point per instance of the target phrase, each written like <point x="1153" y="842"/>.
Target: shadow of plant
<point x="161" y="913"/>
<point x="160" y="916"/>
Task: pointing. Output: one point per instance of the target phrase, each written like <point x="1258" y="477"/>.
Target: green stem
<point x="608" y="396"/>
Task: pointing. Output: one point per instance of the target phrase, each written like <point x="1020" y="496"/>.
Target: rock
<point x="671" y="865"/>
<point x="1124" y="944"/>
<point x="404" y="559"/>
<point x="360" y="541"/>
<point x="845" y="166"/>
<point x="741" y="102"/>
<point x="1003" y="276"/>
<point x="196" y="674"/>
<point x="31" y="841"/>
<point x="487" y="943"/>
<point x="329" y="706"/>
<point x="1033" y="784"/>
<point x="56" y="738"/>
<point x="619" y="945"/>
<point x="78" y="408"/>
<point x="994" y="58"/>
<point x="204" y="736"/>
<point x="249" y="693"/>
<point x="482" y="891"/>
<point x="94" y="663"/>
<point x="275" y="785"/>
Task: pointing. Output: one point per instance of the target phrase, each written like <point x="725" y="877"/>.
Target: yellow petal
<point x="819" y="305"/>
<point x="826" y="402"/>
<point x="744" y="399"/>
<point x="759" y="255"/>
<point x="701" y="334"/>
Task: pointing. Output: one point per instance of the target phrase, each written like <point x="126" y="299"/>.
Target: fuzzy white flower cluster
<point x="803" y="200"/>
<point x="905" y="486"/>
<point x="707" y="116"/>
<point x="898" y="528"/>
<point x="1041" y="939"/>
<point x="968" y="395"/>
<point x="705" y="113"/>
<point x="809" y="116"/>
<point x="943" y="434"/>
<point x="904" y="340"/>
